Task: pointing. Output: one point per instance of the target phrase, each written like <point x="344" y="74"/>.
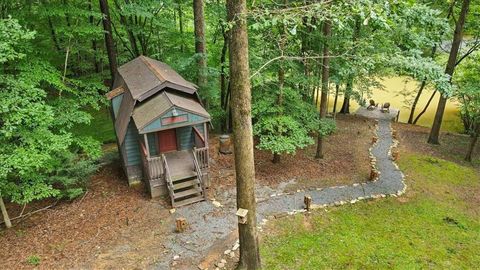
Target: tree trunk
<point x="243" y="136"/>
<point x="420" y="90"/>
<point x="107" y="27"/>
<point x="457" y="39"/>
<point x="425" y="108"/>
<point x="224" y="95"/>
<point x="346" y="99"/>
<point x="200" y="46"/>
<point x="414" y="104"/>
<point x="349" y="87"/>
<point x="6" y="218"/>
<point x="327" y="29"/>
<point x="471" y="147"/>
<point x="96" y="64"/>
<point x="337" y="88"/>
<point x="180" y="23"/>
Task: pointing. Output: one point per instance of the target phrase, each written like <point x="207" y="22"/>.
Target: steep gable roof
<point x="140" y="79"/>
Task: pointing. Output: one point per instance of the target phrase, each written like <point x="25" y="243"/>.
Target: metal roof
<point x="142" y="78"/>
<point x="147" y="112"/>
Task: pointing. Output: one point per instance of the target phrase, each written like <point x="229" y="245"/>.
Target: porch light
<point x="174" y="112"/>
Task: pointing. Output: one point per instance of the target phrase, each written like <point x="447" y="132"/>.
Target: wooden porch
<point x="183" y="174"/>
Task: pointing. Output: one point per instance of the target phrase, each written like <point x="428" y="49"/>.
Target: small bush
<point x="33" y="260"/>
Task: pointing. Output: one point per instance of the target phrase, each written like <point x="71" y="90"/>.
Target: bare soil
<point x="115" y="226"/>
<point x="346" y="160"/>
<point x="112" y="226"/>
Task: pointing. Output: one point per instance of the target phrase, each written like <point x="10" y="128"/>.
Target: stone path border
<point x="209" y="222"/>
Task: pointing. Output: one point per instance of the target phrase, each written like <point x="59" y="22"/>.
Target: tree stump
<point x="181" y="224"/>
<point x="308" y="202"/>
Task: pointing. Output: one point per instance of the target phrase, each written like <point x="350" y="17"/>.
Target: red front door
<point x="167" y="140"/>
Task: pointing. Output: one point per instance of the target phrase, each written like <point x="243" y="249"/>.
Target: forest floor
<point x="115" y="226"/>
<point x="436" y="224"/>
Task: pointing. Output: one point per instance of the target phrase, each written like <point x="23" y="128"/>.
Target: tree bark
<point x="180" y="23"/>
<point x="424" y="108"/>
<point x="96" y="64"/>
<point x="107" y="27"/>
<point x="349" y="87"/>
<point x="200" y="46"/>
<point x="224" y="95"/>
<point x="471" y="147"/>
<point x="337" y="88"/>
<point x="243" y="136"/>
<point x="452" y="59"/>
<point x="327" y="30"/>
<point x="414" y="104"/>
<point x="6" y="218"/>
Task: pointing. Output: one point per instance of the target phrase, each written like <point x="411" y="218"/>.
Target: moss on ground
<point x="432" y="226"/>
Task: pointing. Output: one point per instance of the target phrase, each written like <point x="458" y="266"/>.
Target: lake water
<point x="394" y="86"/>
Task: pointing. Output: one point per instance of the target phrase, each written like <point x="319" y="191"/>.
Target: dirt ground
<point x="112" y="226"/>
<point x="453" y="146"/>
<point x="346" y="160"/>
<point x="115" y="226"/>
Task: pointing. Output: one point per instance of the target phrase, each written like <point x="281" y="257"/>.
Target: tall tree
<point x="452" y="60"/>
<point x="107" y="27"/>
<point x="6" y="218"/>
<point x="242" y="129"/>
<point x="200" y="45"/>
<point x="327" y="30"/>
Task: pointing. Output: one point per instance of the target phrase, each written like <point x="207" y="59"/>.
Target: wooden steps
<point x="186" y="190"/>
<point x="185" y="184"/>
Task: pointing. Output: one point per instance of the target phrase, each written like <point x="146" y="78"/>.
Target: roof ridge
<point x="152" y="69"/>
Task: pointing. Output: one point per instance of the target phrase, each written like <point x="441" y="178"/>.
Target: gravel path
<point x="209" y="223"/>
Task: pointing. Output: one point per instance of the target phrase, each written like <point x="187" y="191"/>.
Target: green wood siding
<point x="152" y="143"/>
<point x="131" y="145"/>
<point x="185" y="138"/>
<point x="116" y="101"/>
<point x="157" y="124"/>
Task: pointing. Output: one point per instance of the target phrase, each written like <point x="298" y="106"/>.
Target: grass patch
<point x="100" y="128"/>
<point x="431" y="230"/>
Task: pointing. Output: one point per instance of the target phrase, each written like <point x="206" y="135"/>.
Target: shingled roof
<point x="142" y="78"/>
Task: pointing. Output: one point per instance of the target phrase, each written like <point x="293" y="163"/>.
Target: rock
<point x="172" y="210"/>
<point x="176" y="257"/>
<point x="226" y="252"/>
<point x="223" y="261"/>
<point x="236" y="246"/>
<point x="216" y="203"/>
<point x="232" y="254"/>
<point x="221" y="265"/>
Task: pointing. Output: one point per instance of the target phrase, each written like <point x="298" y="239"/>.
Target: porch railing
<point x="168" y="178"/>
<point x="201" y="155"/>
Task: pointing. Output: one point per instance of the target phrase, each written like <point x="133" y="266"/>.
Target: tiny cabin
<point x="161" y="129"/>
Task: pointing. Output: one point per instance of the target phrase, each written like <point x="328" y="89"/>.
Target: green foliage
<point x="33" y="260"/>
<point x="467" y="93"/>
<point x="283" y="128"/>
<point x="39" y="107"/>
<point x="11" y="36"/>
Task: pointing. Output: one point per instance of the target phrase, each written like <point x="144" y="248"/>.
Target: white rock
<point x="232" y="254"/>
<point x="226" y="252"/>
<point x="236" y="246"/>
<point x="221" y="265"/>
<point x="172" y="210"/>
<point x="176" y="257"/>
<point x="223" y="261"/>
<point x="216" y="203"/>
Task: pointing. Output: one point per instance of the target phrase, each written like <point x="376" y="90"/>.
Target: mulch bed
<point x="72" y="233"/>
<point x="346" y="160"/>
<point x="115" y="226"/>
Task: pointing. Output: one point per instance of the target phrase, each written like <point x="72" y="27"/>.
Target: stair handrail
<point x="199" y="172"/>
<point x="168" y="178"/>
